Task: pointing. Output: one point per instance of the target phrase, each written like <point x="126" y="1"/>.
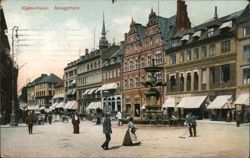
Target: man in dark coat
<point x="29" y="121"/>
<point x="107" y="131"/>
<point x="191" y="121"/>
<point x="76" y="122"/>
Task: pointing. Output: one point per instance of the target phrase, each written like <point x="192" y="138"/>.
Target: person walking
<point x="76" y="122"/>
<point x="237" y="119"/>
<point x="191" y="122"/>
<point x="119" y="117"/>
<point x="29" y="121"/>
<point x="107" y="131"/>
<point x="50" y="117"/>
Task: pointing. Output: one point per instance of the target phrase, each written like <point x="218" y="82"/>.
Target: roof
<point x="52" y="78"/>
<point x="107" y="53"/>
<point x="141" y="31"/>
<point x="204" y="27"/>
<point x="164" y="25"/>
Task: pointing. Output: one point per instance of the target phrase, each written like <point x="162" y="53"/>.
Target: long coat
<point x="76" y="123"/>
<point x="29" y="119"/>
<point x="107" y="125"/>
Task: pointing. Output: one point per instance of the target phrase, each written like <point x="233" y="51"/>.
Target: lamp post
<point x="13" y="121"/>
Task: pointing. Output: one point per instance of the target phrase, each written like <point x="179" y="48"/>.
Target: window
<point x="126" y="84"/>
<point x="204" y="76"/>
<point x="189" y="55"/>
<point x="246" y="30"/>
<point x="246" y="76"/>
<point x="225" y="46"/>
<point x="114" y="73"/>
<point x="172" y="59"/>
<point x="137" y="82"/>
<point x="107" y="75"/>
<point x="158" y="77"/>
<point x="142" y="62"/>
<point x="172" y="84"/>
<point x="158" y="58"/>
<point x="182" y="80"/>
<point x="246" y="52"/>
<point x="188" y="81"/>
<point x="196" y="53"/>
<point x="151" y="41"/>
<point x="137" y="64"/>
<point x="175" y="43"/>
<point x="149" y="61"/>
<point x="131" y="83"/>
<point x="182" y="57"/>
<point x="196" y="80"/>
<point x="212" y="50"/>
<point x="203" y="52"/>
<point x="104" y="75"/>
<point x="118" y="72"/>
<point x="225" y="73"/>
<point x="210" y="32"/>
<point x="131" y="65"/>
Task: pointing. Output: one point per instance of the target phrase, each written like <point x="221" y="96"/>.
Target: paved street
<point x="58" y="140"/>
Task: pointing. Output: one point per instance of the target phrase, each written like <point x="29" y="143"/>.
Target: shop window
<point x="188" y="82"/>
<point x="196" y="80"/>
<point x="225" y="73"/>
<point x="172" y="84"/>
<point x="182" y="83"/>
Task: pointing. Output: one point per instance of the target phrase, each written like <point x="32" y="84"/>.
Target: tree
<point x="23" y="96"/>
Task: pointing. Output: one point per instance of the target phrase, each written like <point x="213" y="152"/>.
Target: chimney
<point x="215" y="13"/>
<point x="86" y="51"/>
<point x="125" y="36"/>
<point x="182" y="20"/>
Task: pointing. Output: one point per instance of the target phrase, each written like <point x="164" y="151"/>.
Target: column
<point x="199" y="79"/>
<point x="207" y="79"/>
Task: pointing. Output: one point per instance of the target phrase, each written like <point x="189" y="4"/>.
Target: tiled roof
<point x="52" y="78"/>
<point x="164" y="25"/>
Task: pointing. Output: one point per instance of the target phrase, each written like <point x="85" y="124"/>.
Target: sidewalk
<point x="222" y="122"/>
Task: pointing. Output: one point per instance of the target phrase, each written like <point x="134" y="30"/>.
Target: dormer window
<point x="197" y="34"/>
<point x="210" y="32"/>
<point x="226" y="25"/>
<point x="185" y="38"/>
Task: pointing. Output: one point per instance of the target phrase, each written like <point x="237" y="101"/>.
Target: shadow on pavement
<point x="115" y="147"/>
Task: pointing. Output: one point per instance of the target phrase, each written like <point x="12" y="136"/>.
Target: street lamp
<point x="13" y="121"/>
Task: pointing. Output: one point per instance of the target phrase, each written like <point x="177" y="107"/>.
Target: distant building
<point x="42" y="90"/>
<point x="6" y="74"/>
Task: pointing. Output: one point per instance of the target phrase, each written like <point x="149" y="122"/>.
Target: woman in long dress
<point x="130" y="138"/>
<point x="76" y="122"/>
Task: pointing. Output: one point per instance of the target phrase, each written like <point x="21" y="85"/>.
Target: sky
<point x="50" y="37"/>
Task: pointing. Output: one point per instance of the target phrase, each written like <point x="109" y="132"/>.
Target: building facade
<point x="70" y="77"/>
<point x="8" y="74"/>
<point x="243" y="65"/>
<point x="142" y="45"/>
<point x="201" y="61"/>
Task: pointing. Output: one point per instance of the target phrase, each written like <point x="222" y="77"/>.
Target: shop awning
<point x="60" y="95"/>
<point x="220" y="102"/>
<point x="69" y="92"/>
<point x="33" y="107"/>
<point x="170" y="102"/>
<point x="73" y="91"/>
<point x="91" y="90"/>
<point x="97" y="105"/>
<point x="90" y="106"/>
<point x="108" y="86"/>
<point x="67" y="105"/>
<point x="54" y="105"/>
<point x="85" y="92"/>
<point x="60" y="105"/>
<point x="74" y="105"/>
<point x="243" y="99"/>
<point x="193" y="102"/>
